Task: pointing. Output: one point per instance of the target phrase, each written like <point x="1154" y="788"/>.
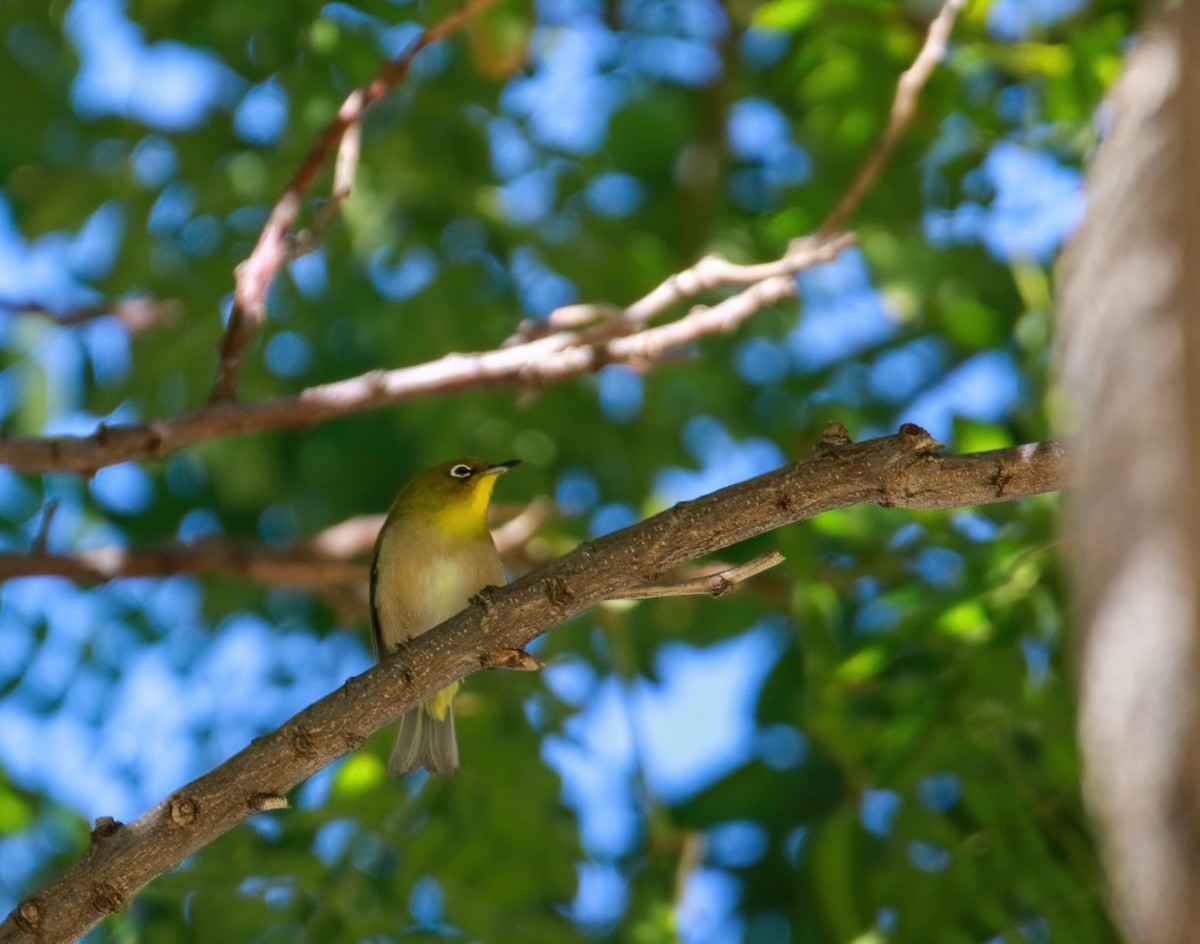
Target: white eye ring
<point x="461" y="471"/>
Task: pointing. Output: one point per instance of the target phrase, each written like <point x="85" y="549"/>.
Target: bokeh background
<point x="873" y="742"/>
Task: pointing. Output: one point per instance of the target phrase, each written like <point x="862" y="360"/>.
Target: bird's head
<point x="455" y="494"/>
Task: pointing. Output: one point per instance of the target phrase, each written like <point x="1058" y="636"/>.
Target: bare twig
<point x="41" y="540"/>
<point x="908" y="90"/>
<point x="255" y="274"/>
<point x="716" y="585"/>
<point x="137" y="314"/>
<point x="227" y="556"/>
<point x="587" y="337"/>
<point x="715" y="271"/>
<point x="344" y="169"/>
<point x="514" y="533"/>
<point x="711" y="272"/>
<point x="901" y="470"/>
<point x="328" y="561"/>
<point x="555" y="359"/>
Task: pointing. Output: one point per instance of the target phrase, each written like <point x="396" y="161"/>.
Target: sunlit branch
<point x="529" y="365"/>
<point x="582" y="338"/>
<point x="895" y="471"/>
<point x="715" y="271"/>
<point x="344" y="170"/>
<point x="904" y="105"/>
<point x="710" y="273"/>
<point x="258" y="271"/>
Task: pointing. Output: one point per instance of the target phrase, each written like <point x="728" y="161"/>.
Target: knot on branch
<point x="720" y="586"/>
<point x="835" y="436"/>
<point x="485" y="599"/>
<point x="156" y="443"/>
<point x="266" y="801"/>
<point x="916" y="439"/>
<point x="302" y="743"/>
<point x="902" y="480"/>
<point x="29" y="916"/>
<point x="1000" y="478"/>
<point x="105" y="898"/>
<point x="182" y="811"/>
<point x="106" y="828"/>
<point x="559" y="593"/>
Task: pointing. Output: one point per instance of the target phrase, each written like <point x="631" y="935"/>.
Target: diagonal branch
<point x="258" y="271"/>
<point x="554" y="359"/>
<point x="908" y="90"/>
<point x="583" y="339"/>
<point x="712" y="272"/>
<point x="902" y="470"/>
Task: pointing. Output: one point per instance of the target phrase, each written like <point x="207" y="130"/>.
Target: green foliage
<point x="921" y="655"/>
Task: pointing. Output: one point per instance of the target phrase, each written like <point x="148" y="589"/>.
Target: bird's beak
<point x="501" y="467"/>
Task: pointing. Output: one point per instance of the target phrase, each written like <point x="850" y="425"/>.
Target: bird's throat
<point x="468" y="518"/>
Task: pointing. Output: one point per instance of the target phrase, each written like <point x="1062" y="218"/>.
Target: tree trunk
<point x="1130" y="361"/>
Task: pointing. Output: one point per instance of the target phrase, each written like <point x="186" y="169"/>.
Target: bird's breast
<point x="423" y="580"/>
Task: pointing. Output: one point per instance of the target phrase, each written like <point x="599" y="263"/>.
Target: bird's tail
<point x="425" y="741"/>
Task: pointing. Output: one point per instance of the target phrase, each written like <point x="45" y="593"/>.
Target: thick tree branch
<point x="553" y="359"/>
<point x="895" y="471"/>
<point x="255" y="275"/>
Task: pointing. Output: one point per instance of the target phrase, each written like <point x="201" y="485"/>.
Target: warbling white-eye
<point x="432" y="555"/>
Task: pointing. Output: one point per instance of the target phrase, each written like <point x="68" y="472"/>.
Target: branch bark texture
<point x="895" y="471"/>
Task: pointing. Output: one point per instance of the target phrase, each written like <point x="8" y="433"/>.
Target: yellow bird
<point x="434" y="552"/>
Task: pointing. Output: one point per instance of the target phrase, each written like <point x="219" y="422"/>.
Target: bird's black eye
<point x="461" y="471"/>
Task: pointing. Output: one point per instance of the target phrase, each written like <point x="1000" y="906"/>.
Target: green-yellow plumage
<point x="433" y="554"/>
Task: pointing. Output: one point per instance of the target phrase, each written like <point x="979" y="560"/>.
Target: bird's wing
<point x="376" y="638"/>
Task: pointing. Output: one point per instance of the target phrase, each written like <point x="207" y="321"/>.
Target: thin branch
<point x="715" y="271"/>
<point x="901" y="470"/>
<point x="211" y="556"/>
<point x="590" y="336"/>
<point x="344" y="170"/>
<point x="258" y="271"/>
<point x="324" y="562"/>
<point x="136" y="313"/>
<point x="41" y="540"/>
<point x="710" y="273"/>
<point x="904" y="105"/>
<point x="555" y="359"/>
<point x="716" y="585"/>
